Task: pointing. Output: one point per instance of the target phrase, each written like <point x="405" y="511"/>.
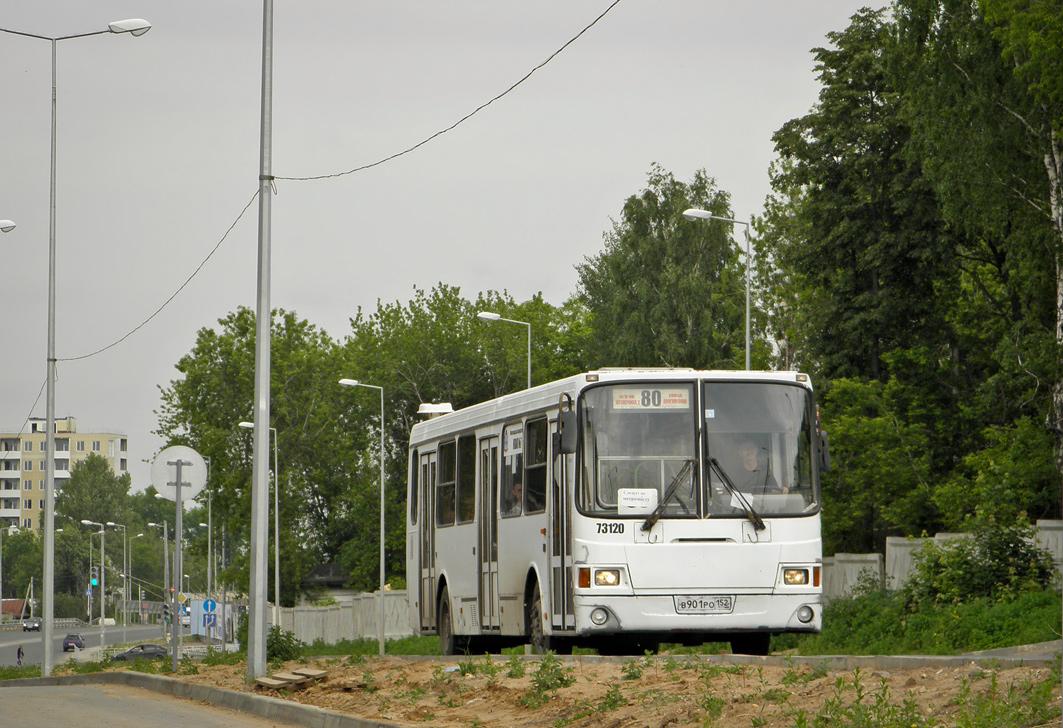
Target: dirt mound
<point x="656" y="692"/>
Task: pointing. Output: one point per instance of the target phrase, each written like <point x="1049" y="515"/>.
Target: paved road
<point x="114" y="706"/>
<point x="31" y="642"/>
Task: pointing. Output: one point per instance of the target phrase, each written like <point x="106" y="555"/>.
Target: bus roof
<point x="546" y="397"/>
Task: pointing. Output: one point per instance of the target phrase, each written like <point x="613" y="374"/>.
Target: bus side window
<point x="466" y="478"/>
<point x="415" y="463"/>
<point x="535" y="467"/>
<point x="445" y="489"/>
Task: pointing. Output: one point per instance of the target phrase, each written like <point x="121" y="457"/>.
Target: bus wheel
<point x="447" y="641"/>
<point x="540" y="641"/>
<point x="752" y="643"/>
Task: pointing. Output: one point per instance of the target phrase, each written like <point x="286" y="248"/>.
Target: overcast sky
<point x="158" y="154"/>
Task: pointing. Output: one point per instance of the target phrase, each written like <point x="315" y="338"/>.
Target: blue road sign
<point x="210" y="620"/>
<point x="209" y="605"/>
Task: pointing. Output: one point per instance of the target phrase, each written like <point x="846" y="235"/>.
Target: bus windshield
<point x="640" y="450"/>
<point x="636" y="440"/>
<point x="759" y="436"/>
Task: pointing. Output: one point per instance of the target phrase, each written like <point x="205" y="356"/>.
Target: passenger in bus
<point x="514" y="499"/>
<point x="755" y="477"/>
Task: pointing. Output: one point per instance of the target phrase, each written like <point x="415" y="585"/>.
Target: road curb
<point x="278" y="709"/>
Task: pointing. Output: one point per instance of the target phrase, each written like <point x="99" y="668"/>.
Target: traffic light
<point x="94" y="573"/>
<point x="166" y="612"/>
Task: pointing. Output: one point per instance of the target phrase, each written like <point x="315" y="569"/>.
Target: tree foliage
<point x="667" y="291"/>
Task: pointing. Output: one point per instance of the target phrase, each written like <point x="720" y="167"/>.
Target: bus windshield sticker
<point x="636" y="500"/>
<point x="626" y="399"/>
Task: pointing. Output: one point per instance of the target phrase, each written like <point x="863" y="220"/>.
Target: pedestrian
<point x="21" y="654"/>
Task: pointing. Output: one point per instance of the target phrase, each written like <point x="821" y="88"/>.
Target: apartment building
<point x="22" y="465"/>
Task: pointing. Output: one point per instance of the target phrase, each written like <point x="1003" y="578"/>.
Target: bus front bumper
<point x="704" y="613"/>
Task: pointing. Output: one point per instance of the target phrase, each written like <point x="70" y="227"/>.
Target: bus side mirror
<point x="566" y="426"/>
<point x="824" y="452"/>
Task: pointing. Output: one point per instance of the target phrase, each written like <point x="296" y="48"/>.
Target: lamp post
<point x="112" y="524"/>
<point x="276" y="526"/>
<point x="256" y="618"/>
<point x="129" y="578"/>
<point x="103" y="582"/>
<point x="356" y="383"/>
<point x="5" y="528"/>
<point x="167" y="594"/>
<point x="6" y="226"/>
<point x="135" y="27"/>
<point x="488" y="316"/>
<point x="696" y="214"/>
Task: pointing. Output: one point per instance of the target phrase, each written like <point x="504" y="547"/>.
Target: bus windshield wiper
<point x="673" y="488"/>
<point x="736" y="494"/>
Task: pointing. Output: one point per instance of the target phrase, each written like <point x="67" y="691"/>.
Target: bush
<point x="282" y="646"/>
<point x="997" y="562"/>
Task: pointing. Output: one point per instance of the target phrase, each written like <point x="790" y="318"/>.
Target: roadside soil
<point x="654" y="692"/>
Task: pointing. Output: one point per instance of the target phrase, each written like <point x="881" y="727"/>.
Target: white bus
<point x="619" y="509"/>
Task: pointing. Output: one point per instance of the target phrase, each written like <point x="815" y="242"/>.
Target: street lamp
<point x="125" y="588"/>
<point x="276" y="526"/>
<point x="695" y="214"/>
<point x="490" y="317"/>
<point x="5" y="528"/>
<point x="129" y="580"/>
<point x="356" y="383"/>
<point x="167" y="595"/>
<point x="103" y="582"/>
<point x="136" y="27"/>
<point x="6" y="226"/>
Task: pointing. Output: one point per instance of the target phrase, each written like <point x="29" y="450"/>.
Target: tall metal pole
<point x="135" y="27"/>
<point x="276" y="533"/>
<point x="177" y="565"/>
<point x="382" y="635"/>
<point x="380" y="617"/>
<point x="48" y="575"/>
<point x="256" y="637"/>
<point x="696" y="214"/>
<point x="749" y="263"/>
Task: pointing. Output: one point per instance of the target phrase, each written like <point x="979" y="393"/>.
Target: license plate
<point x="704" y="605"/>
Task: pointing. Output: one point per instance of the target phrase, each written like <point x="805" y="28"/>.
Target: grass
<point x="879" y="623"/>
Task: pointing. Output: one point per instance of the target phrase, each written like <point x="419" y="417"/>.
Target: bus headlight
<point x="805" y="614"/>
<point x="599" y="616"/>
<point x="795" y="577"/>
<point x="607" y="577"/>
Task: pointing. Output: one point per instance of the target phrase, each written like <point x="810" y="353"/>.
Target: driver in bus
<point x="754" y="476"/>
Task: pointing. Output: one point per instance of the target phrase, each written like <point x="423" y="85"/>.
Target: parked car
<point x="141" y="652"/>
<point x="71" y="641"/>
<point x="33" y="624"/>
<point x="186" y="620"/>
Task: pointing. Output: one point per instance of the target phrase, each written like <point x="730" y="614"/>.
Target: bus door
<point x="489" y="533"/>
<point x="428" y="541"/>
<point x="562" y="614"/>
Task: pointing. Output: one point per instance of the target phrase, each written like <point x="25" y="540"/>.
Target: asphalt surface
<point x="284" y="711"/>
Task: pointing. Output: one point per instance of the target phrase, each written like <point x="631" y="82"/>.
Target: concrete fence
<point x="357" y="619"/>
<point x="842" y="571"/>
<point x="353" y="620"/>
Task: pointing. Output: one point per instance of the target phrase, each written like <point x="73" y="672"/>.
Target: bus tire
<point x="751" y="643"/>
<point x="540" y="641"/>
<point x="448" y="643"/>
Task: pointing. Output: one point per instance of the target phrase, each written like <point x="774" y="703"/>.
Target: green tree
<point x="867" y="255"/>
<point x="880" y="480"/>
<point x="94" y="492"/>
<point x="203" y="409"/>
<point x="984" y="97"/>
<point x="667" y="291"/>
